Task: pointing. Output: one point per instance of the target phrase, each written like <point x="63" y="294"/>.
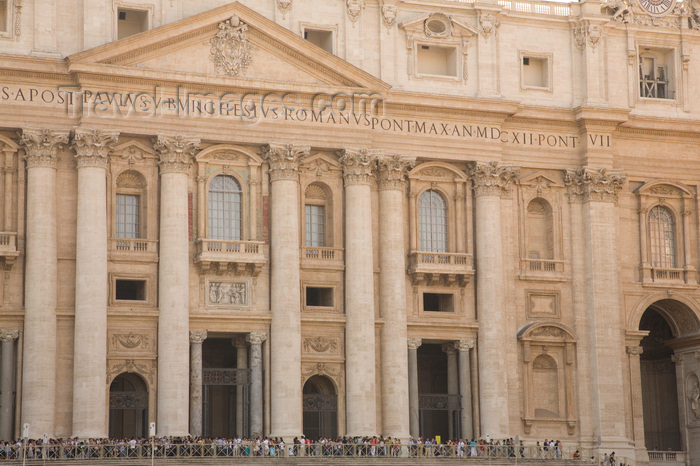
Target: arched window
<point x="225" y="209"/>
<point x="540" y="234"/>
<point x="662" y="237"/>
<point x="432" y="218"/>
<point x="129" y="206"/>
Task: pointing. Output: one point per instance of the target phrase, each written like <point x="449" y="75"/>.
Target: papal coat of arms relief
<point x="231" y="51"/>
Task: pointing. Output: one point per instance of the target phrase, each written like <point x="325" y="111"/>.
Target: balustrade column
<point x="361" y="401"/>
<point x="197" y="337"/>
<point x="175" y="154"/>
<point x="285" y="296"/>
<point x="92" y="149"/>
<point x="392" y="296"/>
<point x="465" y="387"/>
<point x="256" y="387"/>
<point x="40" y="281"/>
<point x="414" y="410"/>
<point x="241" y="363"/>
<point x="452" y="380"/>
<point x="7" y="337"/>
<point x="490" y="182"/>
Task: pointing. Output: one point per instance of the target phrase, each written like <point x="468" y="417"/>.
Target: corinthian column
<point x="39" y="363"/>
<point x="593" y="194"/>
<point x="414" y="412"/>
<point x="175" y="154"/>
<point x="490" y="182"/>
<point x="392" y="295"/>
<point x="256" y="383"/>
<point x="285" y="299"/>
<point x="92" y="150"/>
<point x="197" y="337"/>
<point x="7" y="337"/>
<point x="361" y="404"/>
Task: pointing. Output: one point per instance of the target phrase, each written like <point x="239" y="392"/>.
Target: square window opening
<point x="437" y="61"/>
<point x="656" y="69"/>
<point x="131" y="22"/>
<point x="438" y="302"/>
<point x="535" y="72"/>
<point x="320" y="38"/>
<point x="319" y="297"/>
<point x="131" y="290"/>
<point x="4" y="16"/>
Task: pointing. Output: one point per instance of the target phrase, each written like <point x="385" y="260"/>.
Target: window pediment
<point x="439" y="26"/>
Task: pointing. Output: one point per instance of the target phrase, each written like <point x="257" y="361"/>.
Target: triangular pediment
<point x="539" y="179"/>
<point x="230" y="45"/>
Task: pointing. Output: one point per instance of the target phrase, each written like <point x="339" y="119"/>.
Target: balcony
<point x="665" y="276"/>
<point x="231" y="257"/>
<point x="133" y="249"/>
<point x="440" y="268"/>
<point x="543" y="269"/>
<point x="322" y="258"/>
<point x="658" y="458"/>
<point x="8" y="249"/>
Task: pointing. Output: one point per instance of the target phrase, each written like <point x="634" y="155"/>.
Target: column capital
<point x="256" y="338"/>
<point x="175" y="152"/>
<point x="198" y="336"/>
<point x="414" y="343"/>
<point x="464" y="345"/>
<point x="357" y="164"/>
<point x="589" y="184"/>
<point x="492" y="179"/>
<point x="9" y="335"/>
<point x="92" y="147"/>
<point x="634" y="350"/>
<point x="449" y="348"/>
<point x="284" y="159"/>
<point x="239" y="342"/>
<point x="391" y="171"/>
<point x="41" y="146"/>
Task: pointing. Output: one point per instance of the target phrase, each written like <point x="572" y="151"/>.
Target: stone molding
<point x="256" y="338"/>
<point x="392" y="170"/>
<point x="175" y="152"/>
<point x="588" y="184"/>
<point x="492" y="179"/>
<point x="284" y="160"/>
<point x="414" y="343"/>
<point x="92" y="147"/>
<point x="464" y="345"/>
<point x="198" y="336"/>
<point x="357" y="165"/>
<point x="41" y="146"/>
<point x="9" y="335"/>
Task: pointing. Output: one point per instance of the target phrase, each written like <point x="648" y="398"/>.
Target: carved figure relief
<point x="320" y="345"/>
<point x="130" y="340"/>
<point x="389" y="13"/>
<point x="354" y="9"/>
<point x="622" y="10"/>
<point x="227" y="293"/>
<point x="231" y="51"/>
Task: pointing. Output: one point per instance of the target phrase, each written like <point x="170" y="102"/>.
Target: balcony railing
<point x="541" y="265"/>
<point x="8" y="249"/>
<point x="440" y="267"/>
<point x="323" y="254"/>
<point x="232" y="256"/>
<point x="667" y="275"/>
<point x="666" y="457"/>
<point x="134" y="245"/>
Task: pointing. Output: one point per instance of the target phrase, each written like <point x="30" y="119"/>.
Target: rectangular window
<point x="315" y="225"/>
<point x="437" y="61"/>
<point x="319" y="297"/>
<point x="438" y="302"/>
<point x="130" y="290"/>
<point x="4" y="16"/>
<point x="128" y="216"/>
<point x="322" y="39"/>
<point x="656" y="67"/>
<point x="535" y="72"/>
<point x="130" y="22"/>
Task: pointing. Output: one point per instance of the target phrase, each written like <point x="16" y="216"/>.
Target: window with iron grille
<point x="432" y="222"/>
<point x="662" y="237"/>
<point x="128" y="216"/>
<point x="225" y="209"/>
<point x="315" y="225"/>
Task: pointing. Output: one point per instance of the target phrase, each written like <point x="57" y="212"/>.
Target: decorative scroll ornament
<point x="284" y="160"/>
<point x="92" y="147"/>
<point x="320" y="368"/>
<point x="198" y="336"/>
<point x="320" y="344"/>
<point x="548" y="331"/>
<point x="256" y="338"/>
<point x="595" y="185"/>
<point x="41" y="146"/>
<point x="354" y="9"/>
<point x="487" y="24"/>
<point x="389" y="13"/>
<point x="231" y="51"/>
<point x="392" y="171"/>
<point x="492" y="179"/>
<point x="9" y="335"/>
<point x="130" y="366"/>
<point x="175" y="152"/>
<point x="130" y="340"/>
<point x="357" y="165"/>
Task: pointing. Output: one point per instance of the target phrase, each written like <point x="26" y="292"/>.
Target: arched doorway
<point x="128" y="407"/>
<point x="320" y="408"/>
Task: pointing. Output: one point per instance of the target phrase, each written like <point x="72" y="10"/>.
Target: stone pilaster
<point x="490" y="182"/>
<point x="92" y="148"/>
<point x="7" y="337"/>
<point x="463" y="348"/>
<point x="241" y="363"/>
<point x="392" y="295"/>
<point x="593" y="193"/>
<point x="40" y="283"/>
<point x="285" y="296"/>
<point x="636" y="402"/>
<point x="175" y="153"/>
<point x="414" y="412"/>
<point x="360" y="372"/>
<point x="452" y="380"/>
<point x="197" y="337"/>
<point x="256" y="340"/>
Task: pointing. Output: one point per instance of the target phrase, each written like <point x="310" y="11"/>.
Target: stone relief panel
<point x="144" y="368"/>
<point x="225" y="293"/>
<point x="136" y="342"/>
<point x="321" y="346"/>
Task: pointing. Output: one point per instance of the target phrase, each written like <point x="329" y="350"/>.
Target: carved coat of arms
<point x="231" y="51"/>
